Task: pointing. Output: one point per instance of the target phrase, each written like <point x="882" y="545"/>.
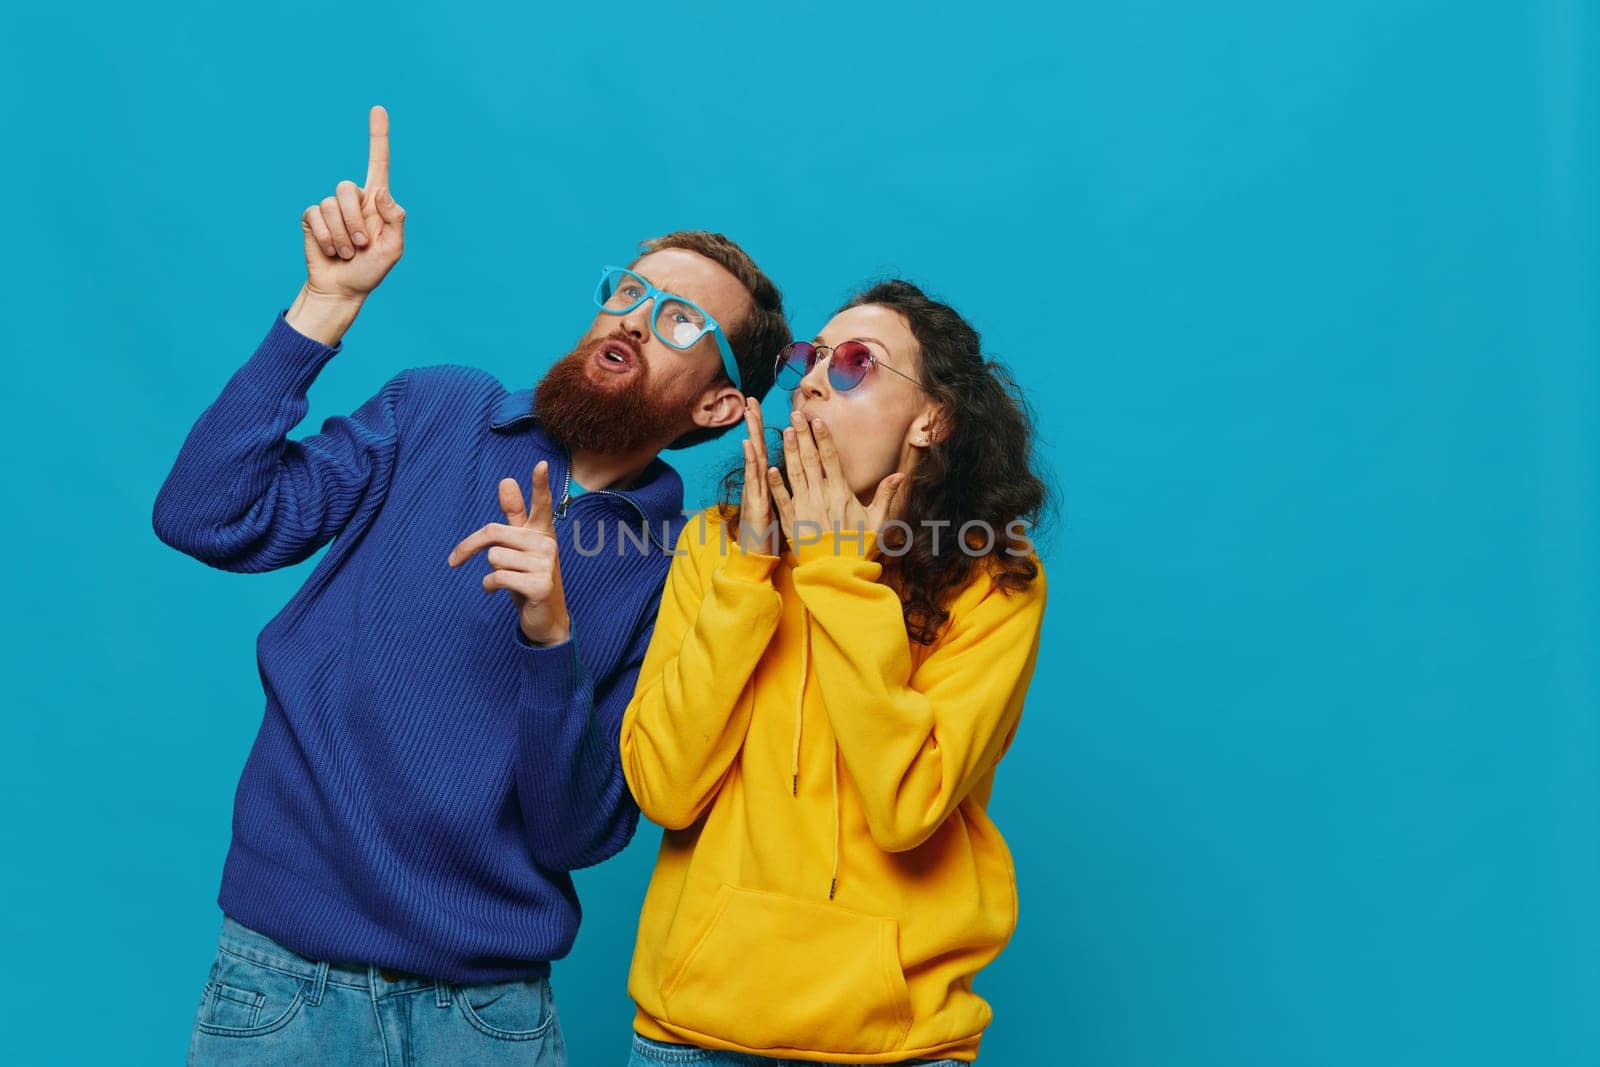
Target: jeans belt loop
<point x="319" y="985"/>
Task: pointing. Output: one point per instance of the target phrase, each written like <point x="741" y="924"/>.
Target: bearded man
<point x="432" y="760"/>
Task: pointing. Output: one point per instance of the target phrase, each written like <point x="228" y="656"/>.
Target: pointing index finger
<point x="377" y="149"/>
<point x="539" y="517"/>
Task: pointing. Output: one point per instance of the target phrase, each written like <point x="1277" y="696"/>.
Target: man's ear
<point x="719" y="406"/>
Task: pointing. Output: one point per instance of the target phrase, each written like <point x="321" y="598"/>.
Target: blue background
<point x="1304" y="294"/>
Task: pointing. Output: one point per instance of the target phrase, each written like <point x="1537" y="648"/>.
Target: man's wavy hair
<point x="981" y="467"/>
<point x="757" y="340"/>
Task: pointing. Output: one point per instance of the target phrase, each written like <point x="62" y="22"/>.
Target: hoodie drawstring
<point x="794" y="761"/>
<point x="800" y="700"/>
<point x="833" y="765"/>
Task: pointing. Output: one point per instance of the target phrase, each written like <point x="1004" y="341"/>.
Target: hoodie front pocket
<point x="776" y="972"/>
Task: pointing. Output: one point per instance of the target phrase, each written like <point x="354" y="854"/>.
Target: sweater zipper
<point x="566" y="493"/>
<point x="566" y="501"/>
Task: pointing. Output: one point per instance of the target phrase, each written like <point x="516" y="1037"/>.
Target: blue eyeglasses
<point x="678" y="321"/>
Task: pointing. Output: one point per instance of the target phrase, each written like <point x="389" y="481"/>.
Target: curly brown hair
<point x="980" y="468"/>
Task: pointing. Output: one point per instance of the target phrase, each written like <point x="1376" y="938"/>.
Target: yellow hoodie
<point x="829" y="881"/>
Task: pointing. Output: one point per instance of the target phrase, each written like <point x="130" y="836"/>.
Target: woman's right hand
<point x="355" y="236"/>
<point x="758" y="532"/>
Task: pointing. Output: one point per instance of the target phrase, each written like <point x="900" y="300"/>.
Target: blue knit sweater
<point x="423" y="779"/>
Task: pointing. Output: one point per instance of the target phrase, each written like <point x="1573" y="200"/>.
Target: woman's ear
<point x="927" y="427"/>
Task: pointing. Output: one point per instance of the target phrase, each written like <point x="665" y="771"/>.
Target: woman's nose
<point x="815" y="382"/>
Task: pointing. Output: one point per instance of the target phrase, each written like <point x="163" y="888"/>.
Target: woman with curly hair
<point x="838" y="666"/>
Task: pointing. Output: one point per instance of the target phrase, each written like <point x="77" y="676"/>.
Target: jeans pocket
<point x="247" y="999"/>
<point x="508" y="1011"/>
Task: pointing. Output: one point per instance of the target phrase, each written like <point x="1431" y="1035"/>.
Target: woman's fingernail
<point x="359" y="238"/>
<point x="816" y="424"/>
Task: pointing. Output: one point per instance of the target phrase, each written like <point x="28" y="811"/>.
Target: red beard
<point x="610" y="419"/>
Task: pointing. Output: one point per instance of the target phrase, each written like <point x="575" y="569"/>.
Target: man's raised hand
<point x="355" y="236"/>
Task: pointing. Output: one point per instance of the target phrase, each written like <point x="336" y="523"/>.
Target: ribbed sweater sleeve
<point x="241" y="496"/>
<point x="575" y="801"/>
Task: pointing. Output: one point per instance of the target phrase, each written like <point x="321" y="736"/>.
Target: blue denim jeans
<point x="647" y="1053"/>
<point x="264" y="1004"/>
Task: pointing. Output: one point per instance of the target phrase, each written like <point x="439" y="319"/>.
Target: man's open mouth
<point x="615" y="356"/>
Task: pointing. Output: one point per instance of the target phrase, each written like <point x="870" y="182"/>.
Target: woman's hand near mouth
<point x="819" y="497"/>
<point x="757" y="530"/>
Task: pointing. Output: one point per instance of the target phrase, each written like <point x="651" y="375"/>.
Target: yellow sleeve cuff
<point x="746" y="566"/>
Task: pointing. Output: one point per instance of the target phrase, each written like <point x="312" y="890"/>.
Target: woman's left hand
<point x="822" y="500"/>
